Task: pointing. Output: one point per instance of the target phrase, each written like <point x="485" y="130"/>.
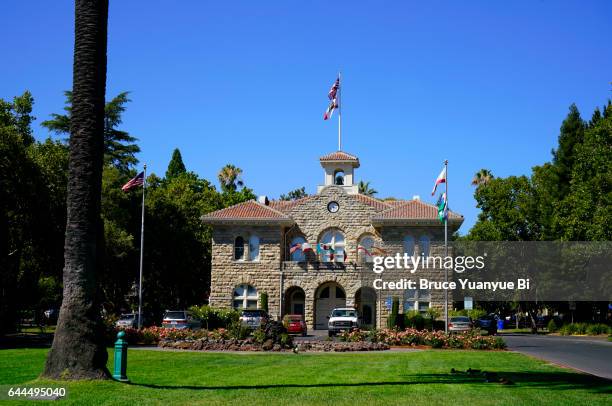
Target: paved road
<point x="590" y="355"/>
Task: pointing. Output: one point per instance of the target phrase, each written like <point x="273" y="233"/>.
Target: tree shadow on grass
<point x="539" y="380"/>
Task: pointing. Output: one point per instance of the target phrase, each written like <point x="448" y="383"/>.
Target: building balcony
<point x="306" y="266"/>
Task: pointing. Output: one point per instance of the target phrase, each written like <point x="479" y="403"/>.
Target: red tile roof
<point x="339" y="156"/>
<point x="246" y="211"/>
<point x="414" y="210"/>
<point x="376" y="203"/>
<point x="285" y="205"/>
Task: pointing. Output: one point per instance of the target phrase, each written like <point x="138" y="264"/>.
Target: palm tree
<point x="482" y="177"/>
<point x="78" y="350"/>
<point x="229" y="178"/>
<point x="365" y="189"/>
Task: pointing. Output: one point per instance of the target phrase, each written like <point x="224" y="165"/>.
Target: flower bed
<point x="433" y="339"/>
<point x="250" y="344"/>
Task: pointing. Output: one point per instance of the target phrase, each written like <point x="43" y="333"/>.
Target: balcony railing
<point x="325" y="266"/>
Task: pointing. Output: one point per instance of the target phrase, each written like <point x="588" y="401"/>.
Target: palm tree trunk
<point x="78" y="350"/>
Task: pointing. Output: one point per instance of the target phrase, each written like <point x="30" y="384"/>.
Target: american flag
<point x="138" y="180"/>
<point x="333" y="93"/>
<point x="334" y="90"/>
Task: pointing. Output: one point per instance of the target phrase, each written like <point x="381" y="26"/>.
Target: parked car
<point x="180" y="319"/>
<point x="254" y="318"/>
<point x="459" y="324"/>
<point x="488" y="323"/>
<point x="295" y="324"/>
<point x="342" y="319"/>
<point x="130" y="320"/>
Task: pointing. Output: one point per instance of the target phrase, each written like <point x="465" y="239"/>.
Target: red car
<point x="295" y="324"/>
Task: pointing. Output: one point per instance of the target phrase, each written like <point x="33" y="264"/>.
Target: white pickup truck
<point x="342" y="319"/>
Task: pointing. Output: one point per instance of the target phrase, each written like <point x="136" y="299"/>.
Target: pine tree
<point x="176" y="165"/>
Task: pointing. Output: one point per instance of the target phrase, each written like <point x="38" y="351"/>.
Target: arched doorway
<point x="328" y="296"/>
<point x="295" y="301"/>
<point x="365" y="302"/>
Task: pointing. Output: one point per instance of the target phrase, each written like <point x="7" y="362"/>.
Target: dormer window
<point x="339" y="178"/>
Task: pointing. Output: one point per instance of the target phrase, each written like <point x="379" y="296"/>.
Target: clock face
<point x="333" y="207"/>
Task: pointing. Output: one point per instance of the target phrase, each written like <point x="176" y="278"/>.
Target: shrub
<point x="414" y="319"/>
<point x="552" y="326"/>
<point x="263" y="301"/>
<point x="432" y="314"/>
<point x="238" y="331"/>
<point x="213" y="317"/>
<point x="596" y="329"/>
<point x="434" y="339"/>
<point x="274" y="331"/>
<point x="475" y="314"/>
<point x="259" y="336"/>
<point x="393" y="317"/>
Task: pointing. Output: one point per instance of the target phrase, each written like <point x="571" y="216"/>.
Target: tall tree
<point x="119" y="146"/>
<point x="570" y="135"/>
<point x="176" y="165"/>
<point x="230" y="178"/>
<point x="78" y="350"/>
<point x="482" y="177"/>
<point x="294" y="194"/>
<point x="365" y="189"/>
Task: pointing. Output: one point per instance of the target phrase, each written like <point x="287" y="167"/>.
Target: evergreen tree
<point x="119" y="146"/>
<point x="176" y="166"/>
<point x="571" y="134"/>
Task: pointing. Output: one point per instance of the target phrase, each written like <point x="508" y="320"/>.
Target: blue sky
<point x="484" y="84"/>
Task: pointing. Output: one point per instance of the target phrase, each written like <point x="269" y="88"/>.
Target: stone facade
<point x="277" y="224"/>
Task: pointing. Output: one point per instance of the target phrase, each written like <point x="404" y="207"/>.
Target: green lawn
<point x="387" y="378"/>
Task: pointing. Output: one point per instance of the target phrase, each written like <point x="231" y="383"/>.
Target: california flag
<point x="441" y="179"/>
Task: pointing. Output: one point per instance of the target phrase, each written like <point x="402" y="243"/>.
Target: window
<point x="364" y="249"/>
<point x="245" y="297"/>
<point x="333" y="246"/>
<point x="424" y="245"/>
<point x="339" y="178"/>
<point x="239" y="249"/>
<point x="409" y="245"/>
<point x="417" y="300"/>
<point x="254" y="248"/>
<point x="297" y="254"/>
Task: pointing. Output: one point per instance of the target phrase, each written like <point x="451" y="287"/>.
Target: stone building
<point x="262" y="247"/>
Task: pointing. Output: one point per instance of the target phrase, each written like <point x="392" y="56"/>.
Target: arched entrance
<point x="328" y="296"/>
<point x="295" y="301"/>
<point x="365" y="302"/>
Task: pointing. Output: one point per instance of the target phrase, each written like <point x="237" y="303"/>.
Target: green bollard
<point x="121" y="345"/>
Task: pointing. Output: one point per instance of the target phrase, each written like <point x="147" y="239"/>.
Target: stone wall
<point x="227" y="273"/>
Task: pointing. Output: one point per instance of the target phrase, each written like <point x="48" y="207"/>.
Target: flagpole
<point x="446" y="248"/>
<point x="339" y="112"/>
<point x="144" y="186"/>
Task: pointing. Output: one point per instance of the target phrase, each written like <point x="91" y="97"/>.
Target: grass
<point x="387" y="378"/>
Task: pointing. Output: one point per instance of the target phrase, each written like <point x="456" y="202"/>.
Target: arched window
<point x="364" y="249"/>
<point x="295" y="249"/>
<point x="424" y="245"/>
<point x="339" y="177"/>
<point x="332" y="246"/>
<point x="417" y="299"/>
<point x="245" y="297"/>
<point x="254" y="248"/>
<point x="409" y="245"/>
<point x="239" y="249"/>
